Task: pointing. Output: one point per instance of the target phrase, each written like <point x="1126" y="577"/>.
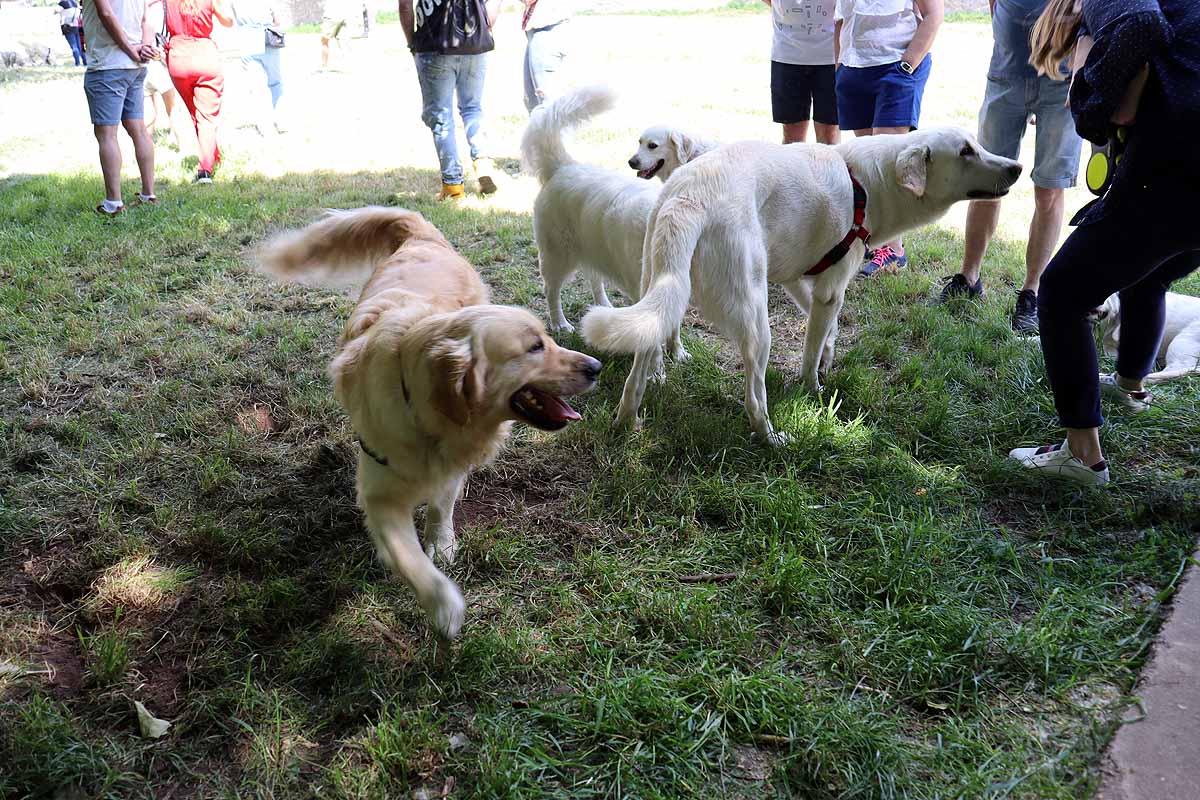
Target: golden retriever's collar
<point x="378" y="459"/>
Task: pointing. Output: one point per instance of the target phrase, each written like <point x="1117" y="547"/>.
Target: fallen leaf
<point x="151" y="726"/>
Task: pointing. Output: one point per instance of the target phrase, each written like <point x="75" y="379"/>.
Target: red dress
<point x="195" y="68"/>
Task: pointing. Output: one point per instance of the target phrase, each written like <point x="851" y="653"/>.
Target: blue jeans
<point x="72" y="37"/>
<point x="545" y="53"/>
<point x="441" y="76"/>
<point x="268" y="59"/>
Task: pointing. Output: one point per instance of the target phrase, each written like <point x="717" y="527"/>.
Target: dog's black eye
<point x="538" y="346"/>
<point x="967" y="151"/>
<point x="652" y="146"/>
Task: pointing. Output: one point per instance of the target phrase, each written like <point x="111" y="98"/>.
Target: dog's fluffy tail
<point x="343" y="248"/>
<point x="542" y="148"/>
<point x="671" y="241"/>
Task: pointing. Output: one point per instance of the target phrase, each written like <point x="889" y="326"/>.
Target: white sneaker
<point x="1057" y="460"/>
<point x="1133" y="400"/>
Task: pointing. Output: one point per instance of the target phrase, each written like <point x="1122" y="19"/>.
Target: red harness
<point x="857" y="231"/>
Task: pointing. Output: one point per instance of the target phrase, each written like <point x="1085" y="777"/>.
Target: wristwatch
<point x="907" y="67"/>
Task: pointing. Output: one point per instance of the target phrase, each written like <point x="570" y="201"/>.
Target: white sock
<point x="111" y="205"/>
<point x="145" y="198"/>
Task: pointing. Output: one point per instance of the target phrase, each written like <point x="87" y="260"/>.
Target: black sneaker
<point x="1025" y="318"/>
<point x="957" y="286"/>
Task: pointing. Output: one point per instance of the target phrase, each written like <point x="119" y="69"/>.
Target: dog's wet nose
<point x="1014" y="171"/>
<point x="633" y="163"/>
<point x="591" y="367"/>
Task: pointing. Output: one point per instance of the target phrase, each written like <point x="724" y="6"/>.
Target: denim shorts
<point x="883" y="96"/>
<point x="1007" y="104"/>
<point x="114" y="95"/>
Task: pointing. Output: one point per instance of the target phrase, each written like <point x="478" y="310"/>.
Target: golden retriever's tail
<point x="542" y="148"/>
<point x="343" y="247"/>
<point x="674" y="230"/>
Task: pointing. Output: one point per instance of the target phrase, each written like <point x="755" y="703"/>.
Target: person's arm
<point x="147" y="50"/>
<point x="223" y="12"/>
<point x="992" y="7"/>
<point x="493" y="12"/>
<point x="1110" y="83"/>
<point x="932" y="14"/>
<point x="406" y="20"/>
<point x="109" y="21"/>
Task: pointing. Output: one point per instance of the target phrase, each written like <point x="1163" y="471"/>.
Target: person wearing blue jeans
<point x="451" y="60"/>
<point x="70" y="21"/>
<point x="1015" y="91"/>
<point x="547" y="32"/>
<point x="254" y="17"/>
<point x="1140" y="73"/>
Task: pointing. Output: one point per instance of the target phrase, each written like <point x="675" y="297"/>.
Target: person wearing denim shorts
<point x="882" y="51"/>
<point x="444" y="73"/>
<point x="120" y="43"/>
<point x="1014" y="93"/>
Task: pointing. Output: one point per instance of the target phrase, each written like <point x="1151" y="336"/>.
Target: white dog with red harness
<point x="751" y="213"/>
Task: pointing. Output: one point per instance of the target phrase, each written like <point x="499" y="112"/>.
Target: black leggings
<point x="1138" y="249"/>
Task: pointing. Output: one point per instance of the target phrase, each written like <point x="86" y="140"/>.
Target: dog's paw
<point x="681" y="355"/>
<point x="812" y="384"/>
<point x="561" y="327"/>
<point x="629" y="422"/>
<point x="446" y="611"/>
<point x="442" y="552"/>
<point x="774" y="438"/>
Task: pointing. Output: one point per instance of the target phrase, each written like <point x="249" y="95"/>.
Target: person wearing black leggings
<point x="1143" y="73"/>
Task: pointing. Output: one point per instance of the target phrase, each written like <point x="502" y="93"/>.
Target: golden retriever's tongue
<point x="555" y="409"/>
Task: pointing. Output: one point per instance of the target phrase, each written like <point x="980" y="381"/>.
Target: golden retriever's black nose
<point x="633" y="163"/>
<point x="1014" y="171"/>
<point x="591" y="367"/>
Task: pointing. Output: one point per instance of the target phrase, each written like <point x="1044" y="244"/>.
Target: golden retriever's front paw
<point x="627" y="421"/>
<point x="446" y="611"/>
<point x="774" y="438"/>
<point x="812" y="385"/>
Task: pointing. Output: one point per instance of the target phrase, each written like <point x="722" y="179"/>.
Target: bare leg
<point x="1085" y="445"/>
<point x="795" y="131"/>
<point x="896" y="244"/>
<point x="1048" y="211"/>
<point x="395" y="535"/>
<point x="110" y="160"/>
<point x="982" y="218"/>
<point x="143" y="149"/>
<point x="827" y="134"/>
<point x="440" y="543"/>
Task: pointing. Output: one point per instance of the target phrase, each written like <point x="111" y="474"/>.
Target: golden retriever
<point x="432" y="377"/>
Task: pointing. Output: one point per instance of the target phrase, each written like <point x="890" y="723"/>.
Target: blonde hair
<point x="1053" y="37"/>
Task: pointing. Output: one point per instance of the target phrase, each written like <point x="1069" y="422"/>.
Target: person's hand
<point x="149" y="52"/>
<point x="134" y="53"/>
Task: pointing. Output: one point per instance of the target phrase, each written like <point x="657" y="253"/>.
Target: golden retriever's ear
<point x="684" y="146"/>
<point x="458" y="379"/>
<point x="912" y="168"/>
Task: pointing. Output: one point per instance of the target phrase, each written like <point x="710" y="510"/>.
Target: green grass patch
<point x="909" y="615"/>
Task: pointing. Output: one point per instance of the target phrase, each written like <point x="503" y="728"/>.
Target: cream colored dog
<point x="751" y="213"/>
<point x="432" y="377"/>
<point x="586" y="216"/>
<point x="1180" y="346"/>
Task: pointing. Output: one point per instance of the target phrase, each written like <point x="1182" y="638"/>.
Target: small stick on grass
<point x="720" y="577"/>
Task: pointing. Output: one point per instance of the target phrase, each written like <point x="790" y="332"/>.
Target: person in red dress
<point x="195" y="67"/>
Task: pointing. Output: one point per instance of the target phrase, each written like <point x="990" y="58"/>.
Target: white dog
<point x="662" y="150"/>
<point x="752" y="213"/>
<point x="586" y="216"/>
<point x="1180" y="347"/>
<point x="432" y="377"/>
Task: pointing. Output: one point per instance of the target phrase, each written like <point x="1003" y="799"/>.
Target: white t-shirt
<point x="69" y="16"/>
<point x="102" y="51"/>
<point x="546" y="13"/>
<point x="803" y="31"/>
<point x="875" y="32"/>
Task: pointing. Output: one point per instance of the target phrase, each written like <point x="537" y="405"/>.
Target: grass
<point x="910" y="616"/>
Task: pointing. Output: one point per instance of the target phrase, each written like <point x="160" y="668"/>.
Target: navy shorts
<point x="114" y="95"/>
<point x="881" y="97"/>
<point x="803" y="91"/>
